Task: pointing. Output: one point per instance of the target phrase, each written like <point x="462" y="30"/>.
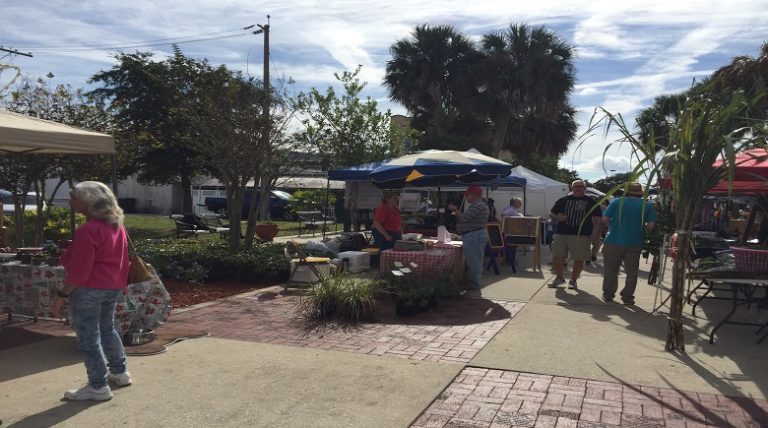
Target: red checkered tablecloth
<point x="441" y="258"/>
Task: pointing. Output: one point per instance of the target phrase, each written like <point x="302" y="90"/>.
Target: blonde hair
<point x="101" y="202"/>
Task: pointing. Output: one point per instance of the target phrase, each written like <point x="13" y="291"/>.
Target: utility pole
<point x="264" y="180"/>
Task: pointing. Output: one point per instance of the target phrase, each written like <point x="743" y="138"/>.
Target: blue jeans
<point x="474" y="253"/>
<point x="92" y="315"/>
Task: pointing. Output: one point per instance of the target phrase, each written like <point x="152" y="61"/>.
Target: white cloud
<point x="668" y="41"/>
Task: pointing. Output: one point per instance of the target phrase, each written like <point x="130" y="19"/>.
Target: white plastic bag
<point x="443" y="235"/>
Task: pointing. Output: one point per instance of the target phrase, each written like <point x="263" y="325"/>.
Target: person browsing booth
<point x="471" y="225"/>
<point x="387" y="223"/>
<point x="576" y="216"/>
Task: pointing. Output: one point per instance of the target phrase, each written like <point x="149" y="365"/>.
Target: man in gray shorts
<point x="576" y="216"/>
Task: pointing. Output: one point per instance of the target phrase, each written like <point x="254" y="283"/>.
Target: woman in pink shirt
<point x="97" y="272"/>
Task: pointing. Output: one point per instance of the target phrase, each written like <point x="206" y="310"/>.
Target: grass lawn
<point x="154" y="226"/>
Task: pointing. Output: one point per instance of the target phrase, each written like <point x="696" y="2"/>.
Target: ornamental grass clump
<point x="339" y="296"/>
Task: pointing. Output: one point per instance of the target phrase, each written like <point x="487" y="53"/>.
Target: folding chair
<point x="523" y="231"/>
<point x="299" y="258"/>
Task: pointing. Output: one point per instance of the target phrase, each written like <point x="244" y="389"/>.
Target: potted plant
<point x="266" y="230"/>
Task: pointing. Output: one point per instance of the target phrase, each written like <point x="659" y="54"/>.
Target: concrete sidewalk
<point x="574" y="333"/>
<point x="560" y="342"/>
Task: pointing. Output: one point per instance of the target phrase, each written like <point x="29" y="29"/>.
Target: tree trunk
<point x="250" y="228"/>
<point x="501" y="123"/>
<point x="186" y="192"/>
<point x="235" y="196"/>
<point x="72" y="220"/>
<point x="41" y="219"/>
<point x="675" y="340"/>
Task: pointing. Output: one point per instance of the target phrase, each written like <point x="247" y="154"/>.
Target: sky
<point x="626" y="54"/>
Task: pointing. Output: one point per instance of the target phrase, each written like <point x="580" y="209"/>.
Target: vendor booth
<point x="427" y="179"/>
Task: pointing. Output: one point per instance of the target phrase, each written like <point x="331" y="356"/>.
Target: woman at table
<point x="97" y="272"/>
<point x="513" y="209"/>
<point x="387" y="227"/>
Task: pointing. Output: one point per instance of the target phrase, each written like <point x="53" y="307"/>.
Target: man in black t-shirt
<point x="574" y="232"/>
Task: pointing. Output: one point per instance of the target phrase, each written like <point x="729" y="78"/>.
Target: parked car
<point x="279" y="205"/>
<point x="10" y="208"/>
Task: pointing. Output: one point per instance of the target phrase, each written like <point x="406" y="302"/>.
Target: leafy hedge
<point x="56" y="228"/>
<point x="201" y="259"/>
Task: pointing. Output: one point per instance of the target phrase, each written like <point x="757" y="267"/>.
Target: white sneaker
<point x="120" y="379"/>
<point x="87" y="392"/>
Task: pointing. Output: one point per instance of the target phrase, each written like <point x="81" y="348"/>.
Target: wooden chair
<point x="524" y="231"/>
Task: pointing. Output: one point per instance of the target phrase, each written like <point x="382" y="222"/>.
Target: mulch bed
<point x="186" y="294"/>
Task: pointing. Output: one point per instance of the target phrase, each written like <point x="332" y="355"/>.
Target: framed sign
<point x="495" y="239"/>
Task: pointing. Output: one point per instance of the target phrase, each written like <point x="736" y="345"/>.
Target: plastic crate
<point x="749" y="260"/>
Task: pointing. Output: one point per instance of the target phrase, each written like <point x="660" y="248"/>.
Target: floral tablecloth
<point x="31" y="290"/>
<point x="442" y="258"/>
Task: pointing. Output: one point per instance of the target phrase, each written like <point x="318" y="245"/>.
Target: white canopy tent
<point x="26" y="134"/>
<point x="541" y="192"/>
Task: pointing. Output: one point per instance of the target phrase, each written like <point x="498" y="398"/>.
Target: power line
<point x="145" y="43"/>
<point x="15" y="52"/>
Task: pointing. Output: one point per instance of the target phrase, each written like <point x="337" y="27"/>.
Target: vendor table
<point x="29" y="291"/>
<point x="742" y="287"/>
<point x="441" y="258"/>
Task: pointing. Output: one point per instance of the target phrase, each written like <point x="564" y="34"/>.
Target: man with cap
<point x="575" y="214"/>
<point x="626" y="218"/>
<point x="471" y="225"/>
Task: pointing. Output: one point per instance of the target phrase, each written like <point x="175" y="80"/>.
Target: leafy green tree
<point x="151" y="104"/>
<point x="612" y="181"/>
<point x="231" y="108"/>
<point x="345" y="130"/>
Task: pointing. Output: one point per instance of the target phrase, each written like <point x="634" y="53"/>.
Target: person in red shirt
<point x="387" y="226"/>
<point x="97" y="272"/>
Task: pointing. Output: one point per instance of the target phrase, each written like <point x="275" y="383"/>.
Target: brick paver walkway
<point x="496" y="398"/>
<point x="453" y="332"/>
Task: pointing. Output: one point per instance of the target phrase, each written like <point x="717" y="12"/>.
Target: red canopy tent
<point x="750" y="175"/>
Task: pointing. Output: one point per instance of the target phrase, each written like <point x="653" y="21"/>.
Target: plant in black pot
<point x="407" y="303"/>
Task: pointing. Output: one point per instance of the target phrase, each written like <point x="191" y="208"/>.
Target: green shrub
<point x="342" y="296"/>
<point x="198" y="259"/>
<point x="55" y="229"/>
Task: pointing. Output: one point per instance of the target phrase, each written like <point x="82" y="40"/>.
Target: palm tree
<point x="527" y="72"/>
<point x="660" y="117"/>
<point x="430" y="73"/>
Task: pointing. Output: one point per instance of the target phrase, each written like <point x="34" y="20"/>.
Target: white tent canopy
<point x="541" y="192"/>
<point x="26" y="134"/>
